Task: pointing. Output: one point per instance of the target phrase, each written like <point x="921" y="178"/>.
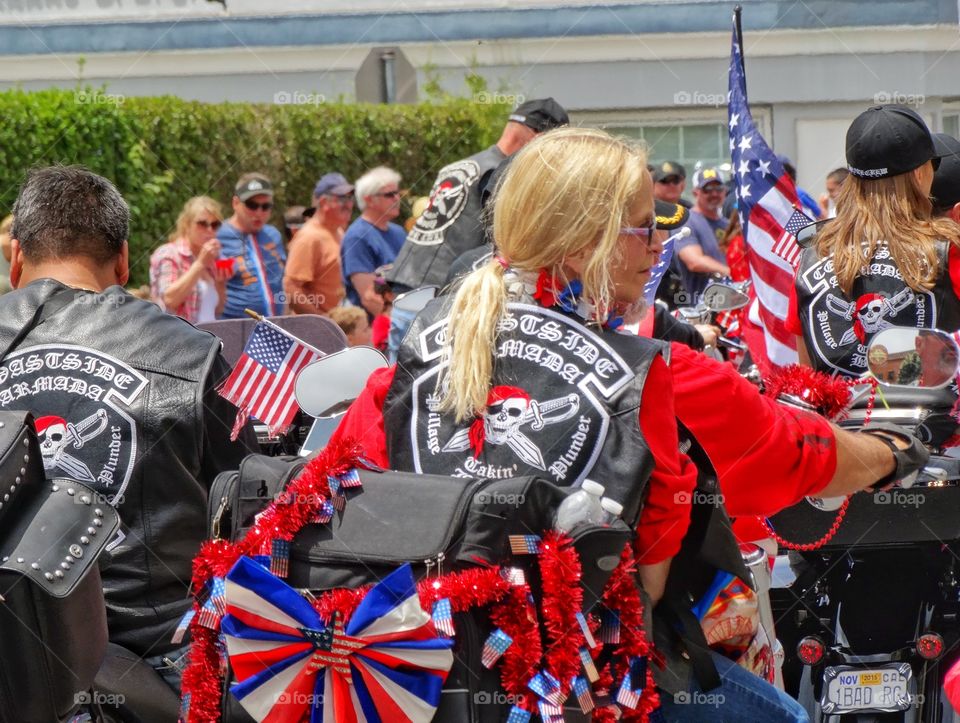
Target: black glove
<point x="908" y="461"/>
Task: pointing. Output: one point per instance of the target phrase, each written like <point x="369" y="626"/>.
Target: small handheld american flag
<point x="261" y="384"/>
<point x="495" y="646"/>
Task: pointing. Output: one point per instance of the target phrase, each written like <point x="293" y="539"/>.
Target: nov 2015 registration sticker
<point x="883" y="689"/>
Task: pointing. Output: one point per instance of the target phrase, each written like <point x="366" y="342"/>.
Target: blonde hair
<point x="567" y="192"/>
<point x="191" y="209"/>
<point x="894" y="210"/>
<point x="348" y="318"/>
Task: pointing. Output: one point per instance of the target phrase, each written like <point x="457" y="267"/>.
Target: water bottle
<point x="612" y="510"/>
<point x="582" y="506"/>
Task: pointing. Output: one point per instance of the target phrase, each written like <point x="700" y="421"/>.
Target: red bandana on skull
<point x="506" y="409"/>
<point x="868" y="315"/>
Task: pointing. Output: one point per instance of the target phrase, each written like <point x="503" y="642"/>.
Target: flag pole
<point x="261" y="318"/>
<point x="737" y="10"/>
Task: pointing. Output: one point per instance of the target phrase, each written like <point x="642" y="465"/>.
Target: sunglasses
<point x="641" y="232"/>
<point x="388" y="194"/>
<point x="209" y="224"/>
<point x="670" y="180"/>
<point x="254" y="206"/>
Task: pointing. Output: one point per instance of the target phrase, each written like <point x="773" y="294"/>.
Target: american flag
<point x="494" y="647"/>
<point x="770" y="216"/>
<point x="660" y="268"/>
<point x="582" y="690"/>
<point x="443" y="616"/>
<point x="261" y="385"/>
<point x="524" y="544"/>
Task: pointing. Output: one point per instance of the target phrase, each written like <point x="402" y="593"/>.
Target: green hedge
<point x="160" y="151"/>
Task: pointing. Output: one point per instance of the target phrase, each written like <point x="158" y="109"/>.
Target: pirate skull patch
<point x="448" y="199"/>
<point x="558" y="430"/>
<point x="79" y="397"/>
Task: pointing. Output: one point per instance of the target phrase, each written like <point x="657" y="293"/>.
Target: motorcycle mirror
<point x="414" y="301"/>
<point x="909" y="357"/>
<point x="808" y="234"/>
<point x="329" y="385"/>
<point x="723" y="297"/>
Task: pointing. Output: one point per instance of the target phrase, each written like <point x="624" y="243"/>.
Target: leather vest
<point x="450" y="226"/>
<point x="117" y="389"/>
<point x="564" y="405"/>
<point x="837" y="328"/>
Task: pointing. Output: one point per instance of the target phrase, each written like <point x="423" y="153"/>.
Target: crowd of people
<point x="558" y="224"/>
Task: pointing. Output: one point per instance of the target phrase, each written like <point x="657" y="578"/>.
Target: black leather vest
<point x="450" y="226"/>
<point x="117" y="387"/>
<point x="563" y="405"/>
<point x="837" y="328"/>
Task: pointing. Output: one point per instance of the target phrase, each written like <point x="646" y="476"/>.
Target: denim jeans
<point x="741" y="697"/>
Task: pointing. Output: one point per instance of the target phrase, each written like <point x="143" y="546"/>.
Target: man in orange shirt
<point x="312" y="281"/>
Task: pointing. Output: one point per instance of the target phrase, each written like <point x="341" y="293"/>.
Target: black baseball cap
<point x="541" y="115"/>
<point x="667" y="169"/>
<point x="946" y="181"/>
<point x="670" y="216"/>
<point x="887" y="140"/>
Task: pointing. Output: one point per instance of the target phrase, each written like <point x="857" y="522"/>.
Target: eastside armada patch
<point x="79" y="398"/>
<point x="448" y="199"/>
<point x="558" y="429"/>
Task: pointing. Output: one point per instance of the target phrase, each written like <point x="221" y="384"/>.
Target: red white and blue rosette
<point x="387" y="664"/>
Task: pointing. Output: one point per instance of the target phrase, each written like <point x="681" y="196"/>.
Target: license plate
<point x="884" y="689"/>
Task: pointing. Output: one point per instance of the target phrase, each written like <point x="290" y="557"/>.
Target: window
<point x="699" y="135"/>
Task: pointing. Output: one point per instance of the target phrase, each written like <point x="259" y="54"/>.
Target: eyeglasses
<point x="209" y="224"/>
<point x="388" y="194"/>
<point x="342" y="200"/>
<point x="718" y="188"/>
<point x="254" y="206"/>
<point x="640" y="232"/>
<point x="670" y="180"/>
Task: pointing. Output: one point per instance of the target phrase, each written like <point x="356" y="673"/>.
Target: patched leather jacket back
<point x="124" y="399"/>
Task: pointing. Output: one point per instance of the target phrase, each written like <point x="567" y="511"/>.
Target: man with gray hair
<point x="123" y="394"/>
<point x="372" y="240"/>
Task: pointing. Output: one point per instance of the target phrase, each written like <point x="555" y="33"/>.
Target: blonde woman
<point x="884" y="260"/>
<point x="186" y="276"/>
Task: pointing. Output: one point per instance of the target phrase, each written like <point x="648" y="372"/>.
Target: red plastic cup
<point x="225" y="264"/>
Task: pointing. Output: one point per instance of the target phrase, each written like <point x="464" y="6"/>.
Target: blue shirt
<point x="257" y="281"/>
<point x="707" y="233"/>
<point x="365" y="248"/>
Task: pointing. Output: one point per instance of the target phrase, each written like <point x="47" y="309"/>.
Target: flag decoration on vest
<point x="494" y="647"/>
<point x="443" y="617"/>
<point x="261" y="384"/>
<point x="387" y="664"/>
<point x="525" y="544"/>
<point x="770" y="216"/>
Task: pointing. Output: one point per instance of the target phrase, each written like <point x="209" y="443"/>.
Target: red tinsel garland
<point x="516" y="616"/>
<point x="281" y="520"/>
<point x="621" y="594"/>
<point x="512" y="609"/>
<point x="830" y="395"/>
<point x="562" y="600"/>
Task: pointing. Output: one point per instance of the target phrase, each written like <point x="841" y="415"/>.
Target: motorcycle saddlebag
<point x="398" y="517"/>
<point x="53" y="625"/>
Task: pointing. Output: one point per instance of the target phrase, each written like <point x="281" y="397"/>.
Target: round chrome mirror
<point x="910" y="357"/>
<point x="723" y="297"/>
<point x="329" y="385"/>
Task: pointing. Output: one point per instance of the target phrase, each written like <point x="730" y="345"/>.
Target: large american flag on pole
<point x="261" y="384"/>
<point x="770" y="216"/>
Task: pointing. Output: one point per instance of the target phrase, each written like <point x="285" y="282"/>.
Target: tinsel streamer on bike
<point x="539" y="680"/>
<point x="831" y="397"/>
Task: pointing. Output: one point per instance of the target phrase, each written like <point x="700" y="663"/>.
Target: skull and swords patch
<point x="837" y="328"/>
<point x="79" y="398"/>
<point x="448" y="198"/>
<point x="557" y="430"/>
